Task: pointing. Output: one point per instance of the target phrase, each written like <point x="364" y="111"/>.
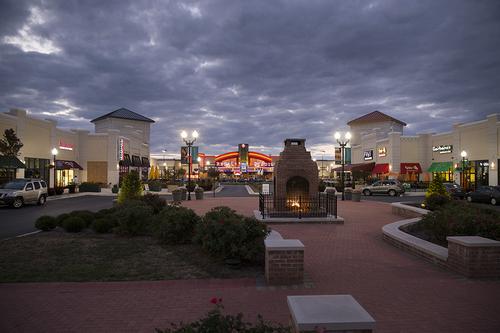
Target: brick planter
<point x="284" y="261"/>
<point x="474" y="257"/>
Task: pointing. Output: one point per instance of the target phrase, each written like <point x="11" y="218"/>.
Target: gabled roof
<point x="124" y="114"/>
<point x="374" y="117"/>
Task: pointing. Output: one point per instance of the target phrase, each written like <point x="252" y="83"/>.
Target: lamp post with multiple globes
<point x="342" y="144"/>
<point x="189" y="142"/>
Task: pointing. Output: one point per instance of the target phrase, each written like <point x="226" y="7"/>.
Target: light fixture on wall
<point x="492" y="165"/>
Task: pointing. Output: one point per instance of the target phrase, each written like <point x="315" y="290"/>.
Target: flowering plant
<point x="216" y="322"/>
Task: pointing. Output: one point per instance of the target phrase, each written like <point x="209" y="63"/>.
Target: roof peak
<point x="374" y="116"/>
<point x="123" y="113"/>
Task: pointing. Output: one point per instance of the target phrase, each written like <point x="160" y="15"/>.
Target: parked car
<point x="488" y="194"/>
<point x="21" y="191"/>
<point x="391" y="187"/>
<point x="454" y="190"/>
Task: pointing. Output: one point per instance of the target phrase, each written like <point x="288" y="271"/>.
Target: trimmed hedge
<point x="176" y="225"/>
<point x="46" y="223"/>
<point x="74" y="224"/>
<point x="225" y="234"/>
<point x="89" y="187"/>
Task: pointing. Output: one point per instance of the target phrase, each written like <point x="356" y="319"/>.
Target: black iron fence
<point x="320" y="205"/>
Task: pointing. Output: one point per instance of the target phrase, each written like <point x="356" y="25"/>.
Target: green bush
<point x="74" y="224"/>
<point x="131" y="187"/>
<point x="225" y="234"/>
<point x="104" y="224"/>
<point x="216" y="321"/>
<point x="86" y="215"/>
<point x="105" y="212"/>
<point x="321" y="186"/>
<point x="89" y="187"/>
<point x="206" y="184"/>
<point x="134" y="220"/>
<point x="154" y="201"/>
<point x="154" y="185"/>
<point x="60" y="218"/>
<point x="460" y="219"/>
<point x="435" y="201"/>
<point x="436" y="187"/>
<point x="46" y="223"/>
<point x="176" y="225"/>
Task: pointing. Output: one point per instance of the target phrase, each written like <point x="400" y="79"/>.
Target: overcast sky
<point x="252" y="72"/>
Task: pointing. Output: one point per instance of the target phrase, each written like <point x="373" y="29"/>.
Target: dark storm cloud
<point x="252" y="71"/>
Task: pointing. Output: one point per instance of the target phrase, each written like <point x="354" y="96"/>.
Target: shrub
<point x="59" y="190"/>
<point x="104" y="224"/>
<point x="321" y="186"/>
<point x="435" y="201"/>
<point x="459" y="219"/>
<point x="46" y="223"/>
<point x="74" y="224"/>
<point x="223" y="233"/>
<point x="87" y="216"/>
<point x="154" y="185"/>
<point x="176" y="225"/>
<point x="154" y="201"/>
<point x="131" y="187"/>
<point x="436" y="187"/>
<point x="60" y="218"/>
<point x="206" y="184"/>
<point x="89" y="187"/>
<point x="216" y="321"/>
<point x="115" y="189"/>
<point x="105" y="212"/>
<point x="134" y="220"/>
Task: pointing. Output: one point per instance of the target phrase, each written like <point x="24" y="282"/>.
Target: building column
<point x="394" y="153"/>
<point x="493" y="148"/>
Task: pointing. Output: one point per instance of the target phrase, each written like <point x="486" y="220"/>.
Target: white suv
<point x="18" y="192"/>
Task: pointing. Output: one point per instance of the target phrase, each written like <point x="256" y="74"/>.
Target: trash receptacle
<point x="356" y="195"/>
<point x="347" y="193"/>
<point x="198" y="193"/>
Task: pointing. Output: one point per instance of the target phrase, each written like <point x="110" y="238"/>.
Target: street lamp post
<point x="342" y="144"/>
<point x="189" y="142"/>
<point x="464" y="155"/>
<point x="54" y="154"/>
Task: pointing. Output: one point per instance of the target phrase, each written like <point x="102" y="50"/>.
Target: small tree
<point x="10" y="145"/>
<point x="213" y="173"/>
<point x="436" y="187"/>
<point x="131" y="187"/>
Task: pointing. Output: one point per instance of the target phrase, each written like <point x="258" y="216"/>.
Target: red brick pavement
<point x="402" y="292"/>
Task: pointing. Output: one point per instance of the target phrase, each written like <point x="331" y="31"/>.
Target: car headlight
<point x="10" y="194"/>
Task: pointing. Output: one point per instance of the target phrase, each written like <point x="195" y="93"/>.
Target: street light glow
<point x="463" y="154"/>
<point x="348" y="135"/>
<point x="184" y="134"/>
<point x="195" y="134"/>
<point x="54" y="151"/>
<point x="337" y="135"/>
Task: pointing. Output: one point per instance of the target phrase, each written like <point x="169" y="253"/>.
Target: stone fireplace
<point x="295" y="173"/>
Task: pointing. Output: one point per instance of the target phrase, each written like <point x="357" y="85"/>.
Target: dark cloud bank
<point x="252" y="71"/>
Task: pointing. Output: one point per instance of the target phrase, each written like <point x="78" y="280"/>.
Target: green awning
<point x="440" y="167"/>
<point x="11" y="162"/>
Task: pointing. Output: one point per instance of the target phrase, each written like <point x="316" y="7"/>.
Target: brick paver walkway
<point x="402" y="292"/>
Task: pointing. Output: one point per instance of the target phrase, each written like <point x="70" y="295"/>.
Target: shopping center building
<point x="378" y="145"/>
<point x="119" y="144"/>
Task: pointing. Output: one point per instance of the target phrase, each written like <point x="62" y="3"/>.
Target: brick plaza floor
<point x="403" y="293"/>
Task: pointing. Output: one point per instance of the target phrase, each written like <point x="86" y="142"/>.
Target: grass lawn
<point x="60" y="256"/>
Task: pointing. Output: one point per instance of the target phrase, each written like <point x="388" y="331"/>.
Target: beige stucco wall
<point x="409" y="149"/>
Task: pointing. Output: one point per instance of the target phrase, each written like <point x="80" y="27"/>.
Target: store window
<point x="65" y="177"/>
<point x="481" y="169"/>
<point x="37" y="168"/>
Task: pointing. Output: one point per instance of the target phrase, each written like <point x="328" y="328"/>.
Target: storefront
<point x="381" y="170"/>
<point x="90" y="157"/>
<point x="443" y="170"/>
<point x="410" y="172"/>
<point x="66" y="171"/>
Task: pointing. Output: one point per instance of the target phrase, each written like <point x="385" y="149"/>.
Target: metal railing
<point x="320" y="205"/>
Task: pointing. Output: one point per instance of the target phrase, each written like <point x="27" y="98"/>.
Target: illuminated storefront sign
<point x="121" y="149"/>
<point x="65" y="145"/>
<point x="368" y="155"/>
<point x="443" y="149"/>
<point x="382" y="152"/>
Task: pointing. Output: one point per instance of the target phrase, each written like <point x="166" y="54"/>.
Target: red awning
<point x="410" y="168"/>
<point x="381" y="168"/>
<point x="66" y="165"/>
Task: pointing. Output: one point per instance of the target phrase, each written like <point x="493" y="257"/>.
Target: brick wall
<point x="284" y="261"/>
<point x="474" y="261"/>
